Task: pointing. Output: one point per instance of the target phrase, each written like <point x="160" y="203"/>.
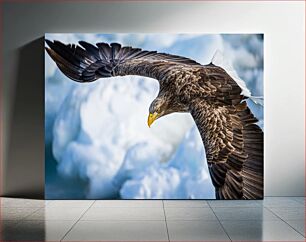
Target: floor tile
<point x="298" y="225"/>
<point x="189" y="214"/>
<point x="141" y="220"/>
<point x="124" y="214"/>
<point x="128" y="203"/>
<point x="70" y="203"/>
<point x="55" y="213"/>
<point x="39" y="230"/>
<point x="281" y="202"/>
<point x="7" y="227"/>
<point x="289" y="213"/>
<point x="185" y="203"/>
<point x="21" y="203"/>
<point x="196" y="231"/>
<point x="300" y="200"/>
<point x="244" y="214"/>
<point x="16" y="213"/>
<point x="8" y="223"/>
<point x="235" y="203"/>
<point x="118" y="231"/>
<point x="261" y="231"/>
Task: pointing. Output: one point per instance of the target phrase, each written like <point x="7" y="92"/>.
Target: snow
<point x="98" y="131"/>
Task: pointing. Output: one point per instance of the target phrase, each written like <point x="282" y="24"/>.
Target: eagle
<point x="233" y="141"/>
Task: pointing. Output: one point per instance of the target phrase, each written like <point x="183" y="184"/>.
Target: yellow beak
<point x="152" y="117"/>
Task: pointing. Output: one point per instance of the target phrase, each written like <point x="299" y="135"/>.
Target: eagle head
<point x="163" y="105"/>
<point x="157" y="109"/>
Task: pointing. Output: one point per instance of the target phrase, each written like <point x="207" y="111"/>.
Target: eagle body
<point x="233" y="142"/>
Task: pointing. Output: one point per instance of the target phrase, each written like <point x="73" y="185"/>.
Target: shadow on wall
<point x="25" y="164"/>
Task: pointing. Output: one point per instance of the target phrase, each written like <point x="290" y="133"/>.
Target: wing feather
<point x="236" y="169"/>
<point x="86" y="62"/>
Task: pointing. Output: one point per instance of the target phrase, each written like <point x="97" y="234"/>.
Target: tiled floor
<point x="274" y="219"/>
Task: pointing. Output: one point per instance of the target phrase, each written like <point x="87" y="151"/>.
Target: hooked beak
<point x="152" y="117"/>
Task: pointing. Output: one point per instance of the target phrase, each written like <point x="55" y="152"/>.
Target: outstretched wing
<point x="86" y="62"/>
<point x="232" y="140"/>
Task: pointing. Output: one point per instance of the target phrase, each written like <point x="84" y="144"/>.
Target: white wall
<point x="283" y="25"/>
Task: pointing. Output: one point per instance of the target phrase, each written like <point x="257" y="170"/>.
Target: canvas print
<point x="154" y="116"/>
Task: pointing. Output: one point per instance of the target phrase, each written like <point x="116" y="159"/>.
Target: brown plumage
<point x="232" y="140"/>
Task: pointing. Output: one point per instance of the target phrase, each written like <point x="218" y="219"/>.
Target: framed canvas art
<point x="154" y="116"/>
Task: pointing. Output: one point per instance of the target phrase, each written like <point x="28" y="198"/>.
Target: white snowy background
<point x="98" y="144"/>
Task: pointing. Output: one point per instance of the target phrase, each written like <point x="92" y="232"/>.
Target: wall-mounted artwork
<point x="154" y="116"/>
